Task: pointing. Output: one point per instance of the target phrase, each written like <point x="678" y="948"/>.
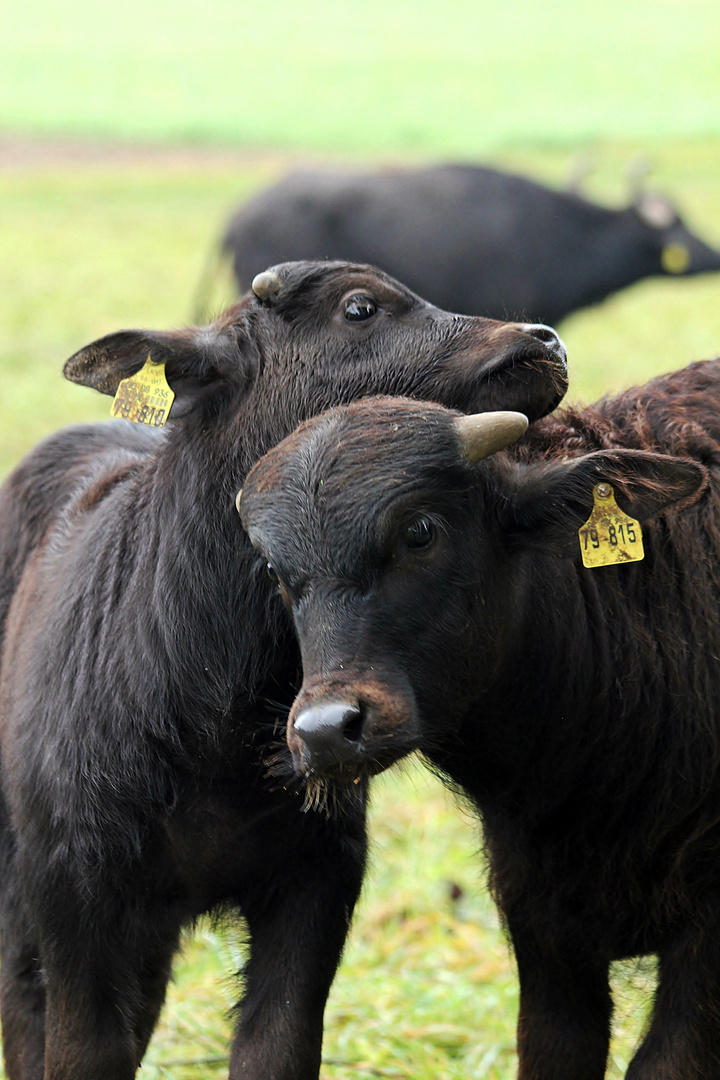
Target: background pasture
<point x="414" y="75"/>
<point x="129" y="132"/>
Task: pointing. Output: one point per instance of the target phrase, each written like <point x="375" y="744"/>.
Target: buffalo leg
<point x="297" y="933"/>
<point x="565" y="1014"/>
<point x="105" y="988"/>
<point x="22" y="999"/>
<point x="22" y="988"/>
<point x="85" y="1036"/>
<point x="683" y="1041"/>
<point x="156" y="975"/>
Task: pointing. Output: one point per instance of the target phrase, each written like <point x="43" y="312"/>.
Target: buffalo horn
<point x="484" y="434"/>
<point x="266" y="284"/>
<point x="238" y="497"/>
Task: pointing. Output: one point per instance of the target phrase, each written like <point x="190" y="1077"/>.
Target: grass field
<point x="409" y="76"/>
<point x="218" y="100"/>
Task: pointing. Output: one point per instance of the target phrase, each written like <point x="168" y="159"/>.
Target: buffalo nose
<point x="330" y="733"/>
<point x="546" y="334"/>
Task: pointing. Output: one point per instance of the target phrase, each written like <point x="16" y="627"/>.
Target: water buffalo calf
<point x="146" y="660"/>
<point x="441" y="602"/>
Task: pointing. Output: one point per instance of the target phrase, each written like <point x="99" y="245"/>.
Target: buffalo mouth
<point x="350" y="764"/>
<point x="349" y="738"/>
<point x="541" y="350"/>
<point x="345" y="772"/>
<point x="527" y="375"/>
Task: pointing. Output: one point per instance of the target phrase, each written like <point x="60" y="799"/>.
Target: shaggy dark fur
<point x="146" y="660"/>
<point x="445" y="606"/>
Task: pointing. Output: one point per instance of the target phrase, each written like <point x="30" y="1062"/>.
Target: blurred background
<point x="130" y="133"/>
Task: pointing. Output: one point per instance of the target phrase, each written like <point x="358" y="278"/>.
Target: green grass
<point x="414" y="75"/>
<point x="427" y="988"/>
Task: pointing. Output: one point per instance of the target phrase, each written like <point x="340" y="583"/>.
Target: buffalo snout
<point x="344" y="729"/>
<point x="527" y="341"/>
<point x="524" y="366"/>
<point x="330" y="735"/>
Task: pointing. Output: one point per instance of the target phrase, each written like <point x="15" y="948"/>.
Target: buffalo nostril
<point x="334" y="729"/>
<point x="353" y="725"/>
<point x="549" y="337"/>
<point x="542" y="333"/>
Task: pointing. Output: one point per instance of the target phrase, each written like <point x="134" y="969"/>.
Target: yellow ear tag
<point x="144" y="398"/>
<point x="675" y="258"/>
<point x="609" y="536"/>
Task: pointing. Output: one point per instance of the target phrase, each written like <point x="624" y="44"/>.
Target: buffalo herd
<point x="359" y="526"/>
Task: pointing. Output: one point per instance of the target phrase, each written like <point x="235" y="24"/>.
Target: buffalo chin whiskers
<point x="277" y="766"/>
<point x="317" y="796"/>
<point x="329" y="797"/>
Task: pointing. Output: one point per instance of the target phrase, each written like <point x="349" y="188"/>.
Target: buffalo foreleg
<point x="298" y="922"/>
<point x="22" y="993"/>
<point x="565" y="1013"/>
<point x="683" y="1040"/>
<point x="106" y="970"/>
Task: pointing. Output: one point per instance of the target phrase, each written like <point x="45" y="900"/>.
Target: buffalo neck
<point x="200" y="591"/>
<point x="615" y="243"/>
<point x="589" y="692"/>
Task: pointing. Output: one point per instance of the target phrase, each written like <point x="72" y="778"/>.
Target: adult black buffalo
<point x="442" y="602"/>
<point x="145" y="662"/>
<point x="470" y="239"/>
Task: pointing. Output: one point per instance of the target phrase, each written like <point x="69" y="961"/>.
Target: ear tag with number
<point x="609" y="536"/>
<point x="144" y="398"/>
<point x="675" y="258"/>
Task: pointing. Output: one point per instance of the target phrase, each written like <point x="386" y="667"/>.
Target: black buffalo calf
<point x="441" y="601"/>
<point x="143" y="645"/>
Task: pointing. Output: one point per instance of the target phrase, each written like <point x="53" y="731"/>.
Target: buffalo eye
<point x="359" y="308"/>
<point x="420" y="533"/>
<point x="272" y="574"/>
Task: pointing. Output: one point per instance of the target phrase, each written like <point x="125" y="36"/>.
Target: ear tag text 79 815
<point x="144" y="398"/>
<point x="609" y="536"/>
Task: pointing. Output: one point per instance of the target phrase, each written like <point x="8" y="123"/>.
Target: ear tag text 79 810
<point x="144" y="398"/>
<point x="609" y="536"/>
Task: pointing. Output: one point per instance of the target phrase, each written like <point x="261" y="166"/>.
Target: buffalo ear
<point x="552" y="502"/>
<point x="194" y="359"/>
